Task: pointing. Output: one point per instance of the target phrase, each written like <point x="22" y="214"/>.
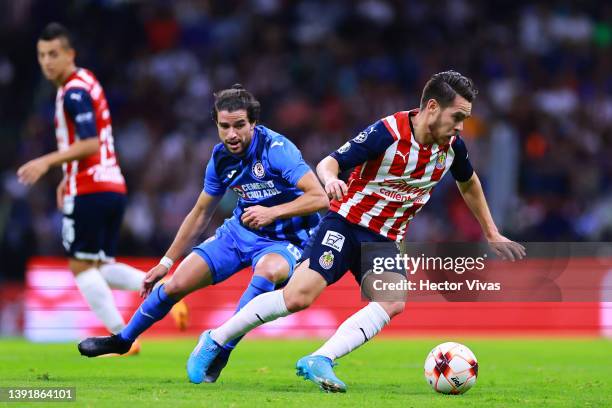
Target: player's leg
<point x="210" y="262"/>
<point x="367" y="322"/>
<point x="303" y="288"/>
<point x="324" y="264"/>
<point x="269" y="270"/>
<point x="122" y="276"/>
<point x="96" y="293"/>
<point x="359" y="328"/>
<point x="353" y="332"/>
<point x="82" y="237"/>
<point x="192" y="273"/>
<point x="318" y="369"/>
<point x="271" y="267"/>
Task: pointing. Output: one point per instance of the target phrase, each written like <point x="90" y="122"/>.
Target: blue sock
<point x="153" y="309"/>
<point x="258" y="285"/>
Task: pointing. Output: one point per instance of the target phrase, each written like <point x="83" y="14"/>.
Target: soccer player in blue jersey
<point x="279" y="197"/>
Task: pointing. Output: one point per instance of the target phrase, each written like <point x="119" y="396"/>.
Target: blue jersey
<point x="266" y="175"/>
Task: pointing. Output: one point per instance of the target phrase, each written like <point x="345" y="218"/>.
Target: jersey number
<point x="107" y="147"/>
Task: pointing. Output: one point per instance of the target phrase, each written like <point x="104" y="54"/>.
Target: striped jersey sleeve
<point x="79" y="106"/>
<point x="367" y="145"/>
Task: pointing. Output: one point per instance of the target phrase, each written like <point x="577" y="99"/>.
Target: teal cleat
<point x="202" y="357"/>
<point x="319" y="370"/>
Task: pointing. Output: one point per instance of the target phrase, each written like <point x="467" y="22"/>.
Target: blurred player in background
<point x="273" y="219"/>
<point x="398" y="160"/>
<point x="92" y="193"/>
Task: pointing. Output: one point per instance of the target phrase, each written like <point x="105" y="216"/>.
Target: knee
<point x="296" y="301"/>
<point x="175" y="288"/>
<point x="393" y="308"/>
<point x="272" y="274"/>
<point x="193" y="273"/>
<point x="77" y="266"/>
<point x="274" y="267"/>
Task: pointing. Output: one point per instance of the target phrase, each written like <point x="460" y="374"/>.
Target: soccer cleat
<point x="133" y="351"/>
<point x="202" y="357"/>
<point x="98" y="346"/>
<point x="319" y="370"/>
<point x="218" y="364"/>
<point x="180" y="314"/>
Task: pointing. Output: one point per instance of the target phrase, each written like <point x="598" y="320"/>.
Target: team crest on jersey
<point x="441" y="162"/>
<point x="326" y="260"/>
<point x="258" y="170"/>
<point x="344" y="148"/>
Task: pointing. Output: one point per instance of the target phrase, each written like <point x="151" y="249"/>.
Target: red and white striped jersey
<point x="394" y="174"/>
<point x="81" y="111"/>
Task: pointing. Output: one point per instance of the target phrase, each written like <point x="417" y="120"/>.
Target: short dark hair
<point x="236" y="98"/>
<point x="56" y="30"/>
<point x="444" y="86"/>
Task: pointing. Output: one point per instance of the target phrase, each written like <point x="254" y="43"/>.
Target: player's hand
<point x="506" y="249"/>
<point x="257" y="216"/>
<point x="336" y="189"/>
<point x="30" y="172"/>
<point x="59" y="194"/>
<point x="151" y="278"/>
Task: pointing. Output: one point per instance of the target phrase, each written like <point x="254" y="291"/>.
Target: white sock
<point x="355" y="331"/>
<point x="262" y="309"/>
<point x="122" y="276"/>
<point x="98" y="295"/>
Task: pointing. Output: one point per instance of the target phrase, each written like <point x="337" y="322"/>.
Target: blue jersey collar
<point x="253" y="146"/>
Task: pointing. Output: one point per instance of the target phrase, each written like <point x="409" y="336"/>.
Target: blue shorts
<point x="233" y="248"/>
<point x="335" y="248"/>
<point x="91" y="224"/>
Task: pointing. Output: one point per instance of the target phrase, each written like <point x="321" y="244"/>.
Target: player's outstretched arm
<point x="193" y="225"/>
<point x="313" y="199"/>
<point x="30" y="172"/>
<point x="473" y="195"/>
<point x="328" y="170"/>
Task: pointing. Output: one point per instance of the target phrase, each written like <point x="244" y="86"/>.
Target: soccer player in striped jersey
<point x="397" y="161"/>
<point x="278" y="196"/>
<point x="92" y="193"/>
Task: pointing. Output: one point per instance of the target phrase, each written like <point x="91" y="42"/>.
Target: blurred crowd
<point x="540" y="137"/>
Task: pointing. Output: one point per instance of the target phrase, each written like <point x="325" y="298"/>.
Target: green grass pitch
<point x="385" y="372"/>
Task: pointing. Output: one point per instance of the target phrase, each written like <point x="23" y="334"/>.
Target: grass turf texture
<point x="386" y="372"/>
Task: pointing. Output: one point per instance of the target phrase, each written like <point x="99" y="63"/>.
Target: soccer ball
<point x="451" y="368"/>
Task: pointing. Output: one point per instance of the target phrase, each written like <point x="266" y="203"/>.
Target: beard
<point x="439" y="137"/>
